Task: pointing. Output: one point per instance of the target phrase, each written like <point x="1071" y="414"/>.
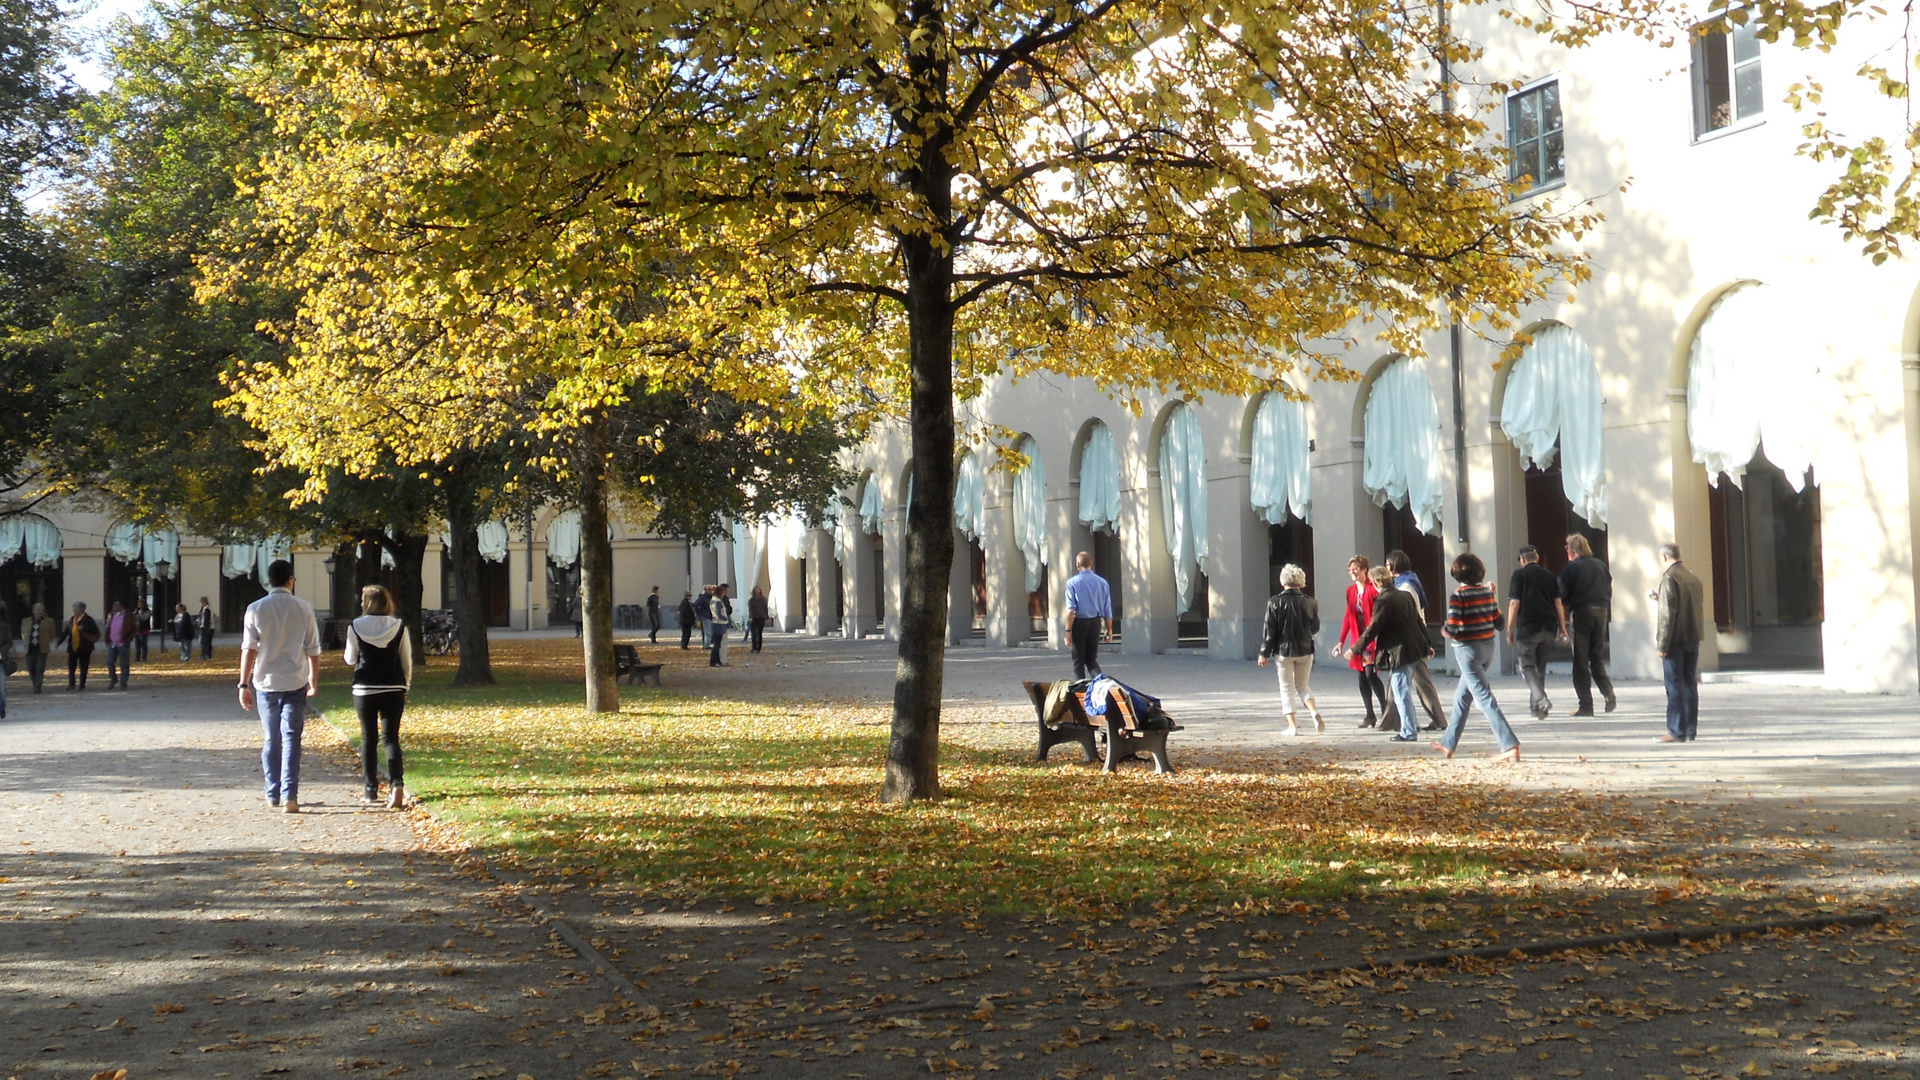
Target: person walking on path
<point x="1534" y="618"/>
<point x="181" y="626"/>
<point x="142" y="630"/>
<point x="756" y="617"/>
<point x="1089" y="616"/>
<point x="1473" y="621"/>
<point x="1360" y="596"/>
<point x="38" y="631"/>
<point x="653" y="616"/>
<point x="381" y="656"/>
<point x="1287" y="633"/>
<point x="80" y="634"/>
<point x="1398" y="636"/>
<point x="1586" y="588"/>
<point x="720" y="621"/>
<point x="207" y="624"/>
<point x="119" y="646"/>
<point x="280" y="659"/>
<point x="1409" y="582"/>
<point x="688" y="619"/>
<point x="1676" y="637"/>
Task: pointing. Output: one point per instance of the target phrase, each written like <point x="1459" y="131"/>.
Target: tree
<point x="35" y="99"/>
<point x="909" y="199"/>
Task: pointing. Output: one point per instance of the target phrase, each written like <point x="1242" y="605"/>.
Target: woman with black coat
<point x="182" y="629"/>
<point x="1399" y="633"/>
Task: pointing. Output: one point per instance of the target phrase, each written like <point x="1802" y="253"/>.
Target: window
<point x="1534" y="133"/>
<point x="1726" y="76"/>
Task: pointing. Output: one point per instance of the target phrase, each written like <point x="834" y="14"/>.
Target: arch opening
<point x="1096" y="520"/>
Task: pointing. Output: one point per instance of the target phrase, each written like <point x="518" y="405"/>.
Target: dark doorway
<point x="1106" y="563"/>
<point x="236" y="594"/>
<point x="1768" y="587"/>
<point x="125" y="582"/>
<point x="23" y="585"/>
<point x="1289" y="542"/>
<point x="1426" y="554"/>
<point x="1037" y="608"/>
<point x="563" y="593"/>
<point x="1550" y="519"/>
<point x="1192" y="627"/>
<point x="977" y="588"/>
<point x="879" y="582"/>
<point x="500" y="589"/>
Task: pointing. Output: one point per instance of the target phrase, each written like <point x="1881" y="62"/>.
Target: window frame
<point x="1538" y="186"/>
<point x="1732" y="66"/>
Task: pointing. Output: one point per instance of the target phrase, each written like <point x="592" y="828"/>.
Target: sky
<point x="90" y="20"/>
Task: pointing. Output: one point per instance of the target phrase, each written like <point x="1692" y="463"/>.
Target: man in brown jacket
<point x="1676" y="637"/>
<point x="39" y="631"/>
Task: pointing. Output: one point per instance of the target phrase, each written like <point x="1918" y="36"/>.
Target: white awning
<point x="160" y="547"/>
<point x="1282" y="478"/>
<point x="38" y="536"/>
<point x="236" y="560"/>
<point x="273" y="548"/>
<point x="1183" y="496"/>
<point x="491" y="539"/>
<point x="833" y="520"/>
<point x="1030" y="512"/>
<point x="123" y="541"/>
<point x="749" y="543"/>
<point x="563" y="538"/>
<point x="1750" y="378"/>
<point x="970" y="497"/>
<point x="1100" y="481"/>
<point x="870" y="506"/>
<point x="1402" y="460"/>
<point x="1553" y="402"/>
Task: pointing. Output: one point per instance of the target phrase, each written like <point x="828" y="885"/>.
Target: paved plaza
<point x="154" y="917"/>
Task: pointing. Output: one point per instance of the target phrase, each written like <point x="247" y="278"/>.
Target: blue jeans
<point x="283" y="720"/>
<point x="119" y="664"/>
<point x="1473" y="658"/>
<point x="1681" y="669"/>
<point x="1402" y="686"/>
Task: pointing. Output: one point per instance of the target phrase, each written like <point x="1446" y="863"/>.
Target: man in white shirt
<point x="280" y="664"/>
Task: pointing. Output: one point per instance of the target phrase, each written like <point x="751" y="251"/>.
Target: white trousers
<point x="1295" y="695"/>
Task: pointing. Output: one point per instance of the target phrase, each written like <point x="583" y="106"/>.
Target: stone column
<point x="823" y="584"/>
<point x="1237" y="547"/>
<point x="1006" y="579"/>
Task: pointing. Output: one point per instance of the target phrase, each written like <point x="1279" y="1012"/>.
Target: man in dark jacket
<point x="1586" y="588"/>
<point x="1401" y="636"/>
<point x="80" y="634"/>
<point x="1293" y="618"/>
<point x="689" y="618"/>
<point x="1677" y="639"/>
<point x="653" y="616"/>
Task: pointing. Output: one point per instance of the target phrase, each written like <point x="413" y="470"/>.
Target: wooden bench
<point x="629" y="670"/>
<point x="1124" y="739"/>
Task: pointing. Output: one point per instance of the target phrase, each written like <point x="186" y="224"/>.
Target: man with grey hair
<point x="1287" y="633"/>
<point x="1676" y="637"/>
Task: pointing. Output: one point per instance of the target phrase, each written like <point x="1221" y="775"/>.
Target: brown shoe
<point x="291" y="806"/>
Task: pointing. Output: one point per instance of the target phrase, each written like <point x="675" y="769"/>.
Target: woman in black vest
<point x="381" y="656"/>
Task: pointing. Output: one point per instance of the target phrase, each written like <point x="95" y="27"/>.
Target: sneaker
<point x="371" y="796"/>
<point x="1319" y="724"/>
<point x="291" y="806"/>
<point x="1292" y="729"/>
<point x="1405" y="738"/>
<point x="397" y="798"/>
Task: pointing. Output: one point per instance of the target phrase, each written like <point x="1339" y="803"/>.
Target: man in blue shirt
<point x="1089" y="616"/>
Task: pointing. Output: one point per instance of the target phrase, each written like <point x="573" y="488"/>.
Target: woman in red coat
<point x="1360" y="596"/>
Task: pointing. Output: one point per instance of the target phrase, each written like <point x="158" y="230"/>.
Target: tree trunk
<point x="596" y="568"/>
<point x="472" y="600"/>
<point x="913" y="750"/>
<point x="367" y="569"/>
<point x="409" y="555"/>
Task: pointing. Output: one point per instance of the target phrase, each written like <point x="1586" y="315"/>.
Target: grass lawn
<point x="685" y="796"/>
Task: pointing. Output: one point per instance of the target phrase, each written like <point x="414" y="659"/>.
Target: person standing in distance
<point x="1676" y="637"/>
<point x="1586" y="589"/>
<point x="1534" y="618"/>
<point x="119" y="646"/>
<point x="280" y="660"/>
<point x="653" y="616"/>
<point x="206" y="623"/>
<point x="1089" y="616"/>
<point x="182" y="625"/>
<point x="721" y="609"/>
<point x="757" y="617"/>
<point x="1287" y="633"/>
<point x="81" y="634"/>
<point x="39" y="631"/>
<point x="688" y="620"/>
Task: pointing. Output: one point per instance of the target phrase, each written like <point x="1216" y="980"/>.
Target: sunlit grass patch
<point x="683" y="796"/>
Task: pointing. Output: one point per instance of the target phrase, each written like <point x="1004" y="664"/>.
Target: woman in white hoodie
<point x="381" y="656"/>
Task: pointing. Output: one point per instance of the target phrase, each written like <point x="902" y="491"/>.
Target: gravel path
<point x="156" y="917"/>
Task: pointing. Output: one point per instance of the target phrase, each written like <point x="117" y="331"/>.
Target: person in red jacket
<point x="1360" y="596"/>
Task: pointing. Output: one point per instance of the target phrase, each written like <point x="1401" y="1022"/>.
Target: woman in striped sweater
<point x="1473" y="619"/>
